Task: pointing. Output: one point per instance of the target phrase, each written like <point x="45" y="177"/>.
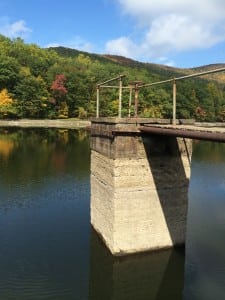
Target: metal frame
<point x="103" y="85"/>
<point x="174" y="80"/>
<point x="137" y="85"/>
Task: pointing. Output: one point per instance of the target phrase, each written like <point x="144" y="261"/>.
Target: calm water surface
<point x="205" y="248"/>
<point x="49" y="251"/>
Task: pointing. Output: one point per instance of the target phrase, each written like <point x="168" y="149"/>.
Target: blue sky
<point x="181" y="33"/>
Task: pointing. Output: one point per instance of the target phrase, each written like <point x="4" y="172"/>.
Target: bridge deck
<point x="188" y="131"/>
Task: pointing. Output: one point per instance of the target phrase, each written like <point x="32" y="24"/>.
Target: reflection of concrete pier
<point x="139" y="186"/>
<point x="137" y="277"/>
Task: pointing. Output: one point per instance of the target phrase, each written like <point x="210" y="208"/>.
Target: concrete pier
<point x="139" y="186"/>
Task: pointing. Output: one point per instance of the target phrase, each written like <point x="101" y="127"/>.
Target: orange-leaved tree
<point x="59" y="92"/>
<point x="7" y="105"/>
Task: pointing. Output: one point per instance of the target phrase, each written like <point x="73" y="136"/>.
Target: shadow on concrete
<point x="164" y="157"/>
<point x="153" y="276"/>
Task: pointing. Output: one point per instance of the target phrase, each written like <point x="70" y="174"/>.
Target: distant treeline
<point x="61" y="83"/>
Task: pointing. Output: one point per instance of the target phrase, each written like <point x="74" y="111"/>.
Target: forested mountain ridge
<point x="61" y="82"/>
<point x="69" y="52"/>
<point x="133" y="63"/>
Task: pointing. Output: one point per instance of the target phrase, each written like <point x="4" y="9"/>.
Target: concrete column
<point x="139" y="187"/>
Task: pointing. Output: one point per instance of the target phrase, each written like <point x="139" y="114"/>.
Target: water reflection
<point x="30" y="157"/>
<point x="152" y="276"/>
<point x="205" y="246"/>
<point x="44" y="215"/>
<point x="46" y="250"/>
<point x="51" y="147"/>
<point x="6" y="147"/>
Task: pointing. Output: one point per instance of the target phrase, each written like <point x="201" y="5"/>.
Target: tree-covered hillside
<point x="61" y="83"/>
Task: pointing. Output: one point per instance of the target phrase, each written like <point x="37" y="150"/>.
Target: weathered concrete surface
<point x="139" y="187"/>
<point x="59" y="123"/>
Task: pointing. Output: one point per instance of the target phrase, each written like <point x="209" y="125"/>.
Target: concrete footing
<point x="139" y="187"/>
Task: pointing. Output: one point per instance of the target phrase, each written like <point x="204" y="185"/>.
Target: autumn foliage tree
<point x="59" y="92"/>
<point x="7" y="107"/>
<point x="5" y="99"/>
<point x="61" y="82"/>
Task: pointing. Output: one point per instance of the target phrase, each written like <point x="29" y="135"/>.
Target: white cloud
<point x="15" y="29"/>
<point x="75" y="43"/>
<point x="201" y="9"/>
<point x="179" y="33"/>
<point x="165" y="61"/>
<point x="54" y="44"/>
<point x="169" y="26"/>
<point x="122" y="46"/>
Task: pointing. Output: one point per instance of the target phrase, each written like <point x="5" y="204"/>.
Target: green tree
<point x="32" y="96"/>
<point x="214" y="100"/>
<point x="9" y="72"/>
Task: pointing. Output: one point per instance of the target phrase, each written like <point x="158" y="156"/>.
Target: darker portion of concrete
<point x="105" y="141"/>
<point x="118" y="138"/>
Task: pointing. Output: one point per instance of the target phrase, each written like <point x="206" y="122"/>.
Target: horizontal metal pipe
<point x="186" y="133"/>
<point x="114" y="86"/>
<point x="116" y="78"/>
<point x="201" y="73"/>
<point x="156" y="83"/>
<point x="184" y="77"/>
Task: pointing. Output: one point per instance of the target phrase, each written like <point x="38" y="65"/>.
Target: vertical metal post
<point x="136" y="101"/>
<point x="120" y="97"/>
<point x="130" y="101"/>
<point x="97" y="102"/>
<point x="174" y="102"/>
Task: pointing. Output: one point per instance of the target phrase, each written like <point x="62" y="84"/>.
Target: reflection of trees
<point x="8" y="141"/>
<point x="30" y="154"/>
<point x="209" y="151"/>
<point x="6" y="147"/>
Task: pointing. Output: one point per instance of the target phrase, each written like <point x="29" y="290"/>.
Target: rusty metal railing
<point x="137" y="85"/>
<point x="103" y="85"/>
<point x="174" y="81"/>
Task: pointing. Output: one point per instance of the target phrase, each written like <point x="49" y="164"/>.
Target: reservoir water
<point x="49" y="251"/>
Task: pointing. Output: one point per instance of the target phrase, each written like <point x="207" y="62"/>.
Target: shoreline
<point x="77" y="123"/>
<point x="58" y="123"/>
